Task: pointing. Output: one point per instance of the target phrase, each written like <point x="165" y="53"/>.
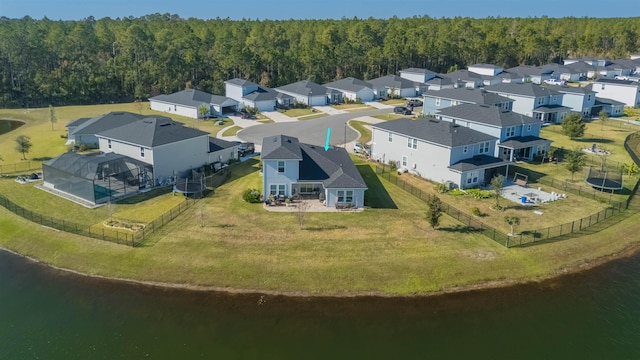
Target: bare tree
<point x="301" y="212"/>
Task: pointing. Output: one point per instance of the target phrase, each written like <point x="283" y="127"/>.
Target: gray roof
<point x="441" y="79"/>
<point x="418" y="71"/>
<point x="526" y="89"/>
<point x="216" y="144"/>
<point x="265" y="94"/>
<point x="529" y="70"/>
<point x="280" y="147"/>
<point x="487" y="114"/>
<point x="605" y="101"/>
<point x="392" y="81"/>
<point x="616" y="82"/>
<point x="304" y="87"/>
<point x="241" y="82"/>
<point x="520" y="142"/>
<point x="349" y="84"/>
<point x="478" y="162"/>
<point x="571" y="89"/>
<point x="77" y="122"/>
<point x="486" y="66"/>
<point x="581" y="67"/>
<point x="105" y="122"/>
<point x="435" y="131"/>
<point x="192" y="98"/>
<point x="473" y="96"/>
<point x="333" y="167"/>
<point x="465" y="75"/>
<point x="152" y="131"/>
<point x="551" y="108"/>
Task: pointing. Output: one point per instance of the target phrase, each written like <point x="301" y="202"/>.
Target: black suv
<point x="414" y="103"/>
<point x="246" y="149"/>
<point x="401" y="110"/>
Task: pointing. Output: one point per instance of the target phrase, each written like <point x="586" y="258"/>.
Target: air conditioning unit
<point x="449" y="184"/>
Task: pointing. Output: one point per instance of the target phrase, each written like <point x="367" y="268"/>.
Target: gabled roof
<point x="241" y="82"/>
<point x="478" y="162"/>
<point x="580" y="66"/>
<point x="304" y="88"/>
<point x="418" y="71"/>
<point x="616" y="82"/>
<point x="333" y="167"/>
<point x="465" y="75"/>
<point x="152" y="131"/>
<point x="392" y="81"/>
<point x="77" y="122"/>
<point x="349" y="84"/>
<point x="280" y="147"/>
<point x="529" y="70"/>
<point x="605" y="101"/>
<point x="192" y="98"/>
<point x="486" y="114"/>
<point x="265" y="94"/>
<point x="105" y="122"/>
<point x="571" y="89"/>
<point x="439" y="132"/>
<point x="216" y="144"/>
<point x="474" y="96"/>
<point x="525" y="89"/>
<point x="441" y="79"/>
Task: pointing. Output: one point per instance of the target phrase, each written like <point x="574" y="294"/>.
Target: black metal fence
<point x="112" y="234"/>
<point x="21" y="167"/>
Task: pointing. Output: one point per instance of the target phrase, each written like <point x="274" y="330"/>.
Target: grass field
<point x="391" y="117"/>
<point x="314" y="116"/>
<point x="364" y="128"/>
<point x="394" y="102"/>
<point x="47" y="143"/>
<point x="299" y="112"/>
<point x="232" y="131"/>
<point x="389" y="249"/>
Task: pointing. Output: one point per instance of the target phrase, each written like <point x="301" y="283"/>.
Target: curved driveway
<point x="311" y="131"/>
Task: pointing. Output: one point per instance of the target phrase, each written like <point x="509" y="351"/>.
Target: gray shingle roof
<point x="605" y="101"/>
<point x="529" y="70"/>
<point x="441" y="79"/>
<point x="474" y="96"/>
<point x="526" y="89"/>
<point x="571" y="89"/>
<point x="392" y="81"/>
<point x="616" y="82"/>
<point x="77" y="122"/>
<point x="105" y="122"/>
<point x="152" y="131"/>
<point x="216" y="144"/>
<point x="348" y="84"/>
<point x="418" y="71"/>
<point x="192" y="98"/>
<point x="241" y="82"/>
<point x="486" y="114"/>
<point x="520" y="142"/>
<point x="478" y="162"/>
<point x="581" y="67"/>
<point x="265" y="94"/>
<point x="551" y="108"/>
<point x="280" y="147"/>
<point x="304" y="87"/>
<point x="465" y="75"/>
<point x="435" y="131"/>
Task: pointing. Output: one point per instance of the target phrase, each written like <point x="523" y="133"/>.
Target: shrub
<point x="251" y="196"/>
<point x="456" y="192"/>
<point x="441" y="188"/>
<point x="479" y="194"/>
<point x="83" y="147"/>
<point x="475" y="211"/>
<point x="393" y="166"/>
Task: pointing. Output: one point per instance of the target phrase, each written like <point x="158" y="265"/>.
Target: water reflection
<point x="9" y="125"/>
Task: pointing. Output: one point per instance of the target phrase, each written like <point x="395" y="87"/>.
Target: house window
<point x="437" y="101"/>
<point x="510" y="131"/>
<point x="588" y="97"/>
<point x="390" y="137"/>
<point x="455" y="103"/>
<point x="109" y="144"/>
<point x="538" y="116"/>
<point x="540" y="101"/>
<point x="349" y="196"/>
<point x="465" y="149"/>
<point x="141" y="152"/>
<point x="405" y="160"/>
<point x="277" y="189"/>
<point x="472" y="178"/>
<point x="529" y="127"/>
<point x="601" y="86"/>
<point x="412" y="143"/>
<point x="340" y="196"/>
<point x="280" y="166"/>
<point x="484" y="147"/>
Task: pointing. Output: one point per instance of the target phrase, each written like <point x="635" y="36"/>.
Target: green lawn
<point x="394" y="102"/>
<point x="47" y="143"/>
<point x="391" y="116"/>
<point x="364" y="128"/>
<point x="232" y="131"/>
<point x="311" y="117"/>
<point x="299" y="112"/>
<point x="388" y="249"/>
<point x="349" y="107"/>
<point x="266" y="121"/>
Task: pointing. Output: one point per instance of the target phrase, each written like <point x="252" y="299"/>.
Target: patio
<point x="531" y="196"/>
<point x="313" y="205"/>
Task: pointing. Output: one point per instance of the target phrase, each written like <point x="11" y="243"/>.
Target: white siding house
<point x="306" y="92"/>
<point x="353" y="89"/>
<point x="625" y="91"/>
<point x="190" y="102"/>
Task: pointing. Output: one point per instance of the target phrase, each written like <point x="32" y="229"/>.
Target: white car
<point x="359" y="148"/>
<point x="555" y="82"/>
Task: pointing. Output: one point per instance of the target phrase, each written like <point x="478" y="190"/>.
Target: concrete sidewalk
<point x="379" y="105"/>
<point x="278" y="117"/>
<point x="329" y="110"/>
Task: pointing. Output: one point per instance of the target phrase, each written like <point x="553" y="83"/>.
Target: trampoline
<point x="604" y="180"/>
<point x="188" y="187"/>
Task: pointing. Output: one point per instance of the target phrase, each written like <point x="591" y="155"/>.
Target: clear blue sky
<point x="322" y="9"/>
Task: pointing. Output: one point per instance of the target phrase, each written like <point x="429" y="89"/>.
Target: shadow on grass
<point x="323" y="228"/>
<point x="145" y="196"/>
<point x="44" y="158"/>
<point x="460" y="229"/>
<point x="594" y="140"/>
<point x="243" y="169"/>
<point x="376" y="196"/>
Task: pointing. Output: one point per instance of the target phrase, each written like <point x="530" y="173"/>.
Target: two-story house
<point x="625" y="91"/>
<point x="418" y="75"/>
<point x="440" y="99"/>
<point x="518" y="135"/>
<point x="291" y="168"/>
<point x="541" y="103"/>
<point x="439" y="151"/>
<point x="578" y="99"/>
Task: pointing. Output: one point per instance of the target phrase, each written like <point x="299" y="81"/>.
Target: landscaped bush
<point x="251" y="196"/>
<point x="441" y="188"/>
<point x="479" y="194"/>
<point x="475" y="211"/>
<point x="456" y="192"/>
<point x="393" y="166"/>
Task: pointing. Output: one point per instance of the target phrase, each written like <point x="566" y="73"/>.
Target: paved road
<point x="311" y="131"/>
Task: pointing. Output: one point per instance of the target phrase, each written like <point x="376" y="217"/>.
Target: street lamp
<point x="345" y="135"/>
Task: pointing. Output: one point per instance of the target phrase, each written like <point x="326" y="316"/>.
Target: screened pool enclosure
<point x="97" y="178"/>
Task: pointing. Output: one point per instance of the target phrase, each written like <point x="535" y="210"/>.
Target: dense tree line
<point x="46" y="62"/>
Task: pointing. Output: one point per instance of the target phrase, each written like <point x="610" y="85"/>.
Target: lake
<point x="49" y="314"/>
<point x="9" y="125"/>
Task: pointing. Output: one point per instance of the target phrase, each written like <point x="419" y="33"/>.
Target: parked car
<point x="360" y="148"/>
<point x="414" y="103"/>
<point x="555" y="82"/>
<point x="401" y="110"/>
<point x="246" y="149"/>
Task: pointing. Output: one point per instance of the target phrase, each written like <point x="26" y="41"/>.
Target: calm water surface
<point x="9" y="125"/>
<point x="47" y="314"/>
